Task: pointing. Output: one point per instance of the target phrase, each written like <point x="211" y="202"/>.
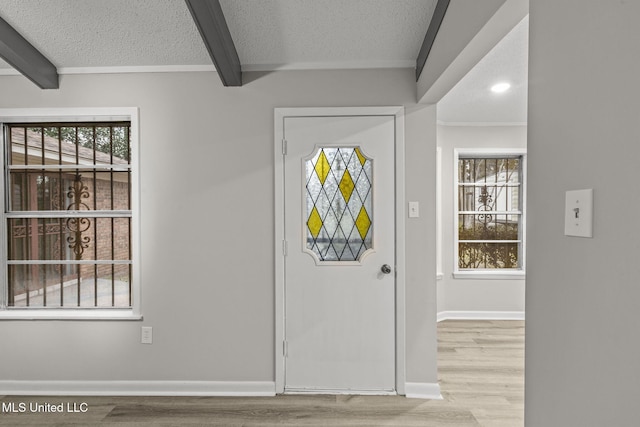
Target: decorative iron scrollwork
<point x="486" y="204"/>
<point x="77" y="226"/>
<point x="55" y="196"/>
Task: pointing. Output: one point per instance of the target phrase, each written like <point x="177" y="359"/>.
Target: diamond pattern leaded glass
<point x="339" y="209"/>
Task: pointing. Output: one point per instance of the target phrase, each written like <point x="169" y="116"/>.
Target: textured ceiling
<point x="327" y="33"/>
<point x="108" y="33"/>
<point x="268" y="34"/>
<point x="471" y="100"/>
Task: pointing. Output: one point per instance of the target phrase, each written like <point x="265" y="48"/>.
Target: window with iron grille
<point x="490" y="212"/>
<point x="68" y="215"/>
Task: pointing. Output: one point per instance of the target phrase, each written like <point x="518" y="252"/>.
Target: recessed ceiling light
<point x="500" y="87"/>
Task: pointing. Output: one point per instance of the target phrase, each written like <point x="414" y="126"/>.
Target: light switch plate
<point x="414" y="209"/>
<point x="578" y="213"/>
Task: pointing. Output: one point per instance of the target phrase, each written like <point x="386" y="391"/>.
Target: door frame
<point x="281" y="247"/>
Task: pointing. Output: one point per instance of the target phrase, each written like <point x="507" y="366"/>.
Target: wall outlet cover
<point x="146" y="335"/>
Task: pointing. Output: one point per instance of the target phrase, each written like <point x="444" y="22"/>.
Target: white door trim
<point x="279" y="115"/>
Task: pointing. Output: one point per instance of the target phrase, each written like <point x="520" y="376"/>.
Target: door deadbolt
<point x="386" y="269"/>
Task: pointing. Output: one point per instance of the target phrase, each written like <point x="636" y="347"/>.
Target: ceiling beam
<point x="430" y="37"/>
<point x="25" y="58"/>
<point x="213" y="28"/>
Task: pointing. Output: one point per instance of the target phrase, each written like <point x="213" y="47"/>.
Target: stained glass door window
<point x="339" y="217"/>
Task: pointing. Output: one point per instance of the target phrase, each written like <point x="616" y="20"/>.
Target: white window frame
<point x="40" y="115"/>
<point x="511" y="273"/>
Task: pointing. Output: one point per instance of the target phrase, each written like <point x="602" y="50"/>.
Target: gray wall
<point x="473" y="294"/>
<point x="420" y="162"/>
<point x="207" y="188"/>
<point x="582" y="299"/>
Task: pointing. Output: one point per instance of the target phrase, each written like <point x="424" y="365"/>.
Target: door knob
<point x="386" y="269"/>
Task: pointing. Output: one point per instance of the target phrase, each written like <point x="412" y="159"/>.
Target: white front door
<point x="339" y="268"/>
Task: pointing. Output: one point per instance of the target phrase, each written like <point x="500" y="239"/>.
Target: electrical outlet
<point x="147" y="335"/>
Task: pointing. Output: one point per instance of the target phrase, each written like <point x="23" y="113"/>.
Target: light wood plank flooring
<point x="481" y="369"/>
<point x="481" y="373"/>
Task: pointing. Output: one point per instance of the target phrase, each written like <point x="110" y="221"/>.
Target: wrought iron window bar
<point x="481" y="181"/>
<point x="70" y="161"/>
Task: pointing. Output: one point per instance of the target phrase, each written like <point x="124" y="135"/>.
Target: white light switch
<point x="414" y="209"/>
<point x="578" y="213"/>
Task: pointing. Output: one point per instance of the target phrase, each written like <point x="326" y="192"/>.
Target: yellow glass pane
<point x="363" y="222"/>
<point x="361" y="157"/>
<point x="322" y="167"/>
<point x="314" y="223"/>
<point x="346" y="186"/>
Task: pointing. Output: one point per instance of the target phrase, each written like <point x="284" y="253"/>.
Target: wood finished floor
<point x="481" y="374"/>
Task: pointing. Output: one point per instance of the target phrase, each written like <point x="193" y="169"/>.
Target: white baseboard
<point x="138" y="388"/>
<point x="307" y="391"/>
<point x="423" y="391"/>
<point x="480" y="315"/>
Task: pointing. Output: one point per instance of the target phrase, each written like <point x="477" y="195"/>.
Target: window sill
<point x="490" y="275"/>
<point x="68" y="314"/>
